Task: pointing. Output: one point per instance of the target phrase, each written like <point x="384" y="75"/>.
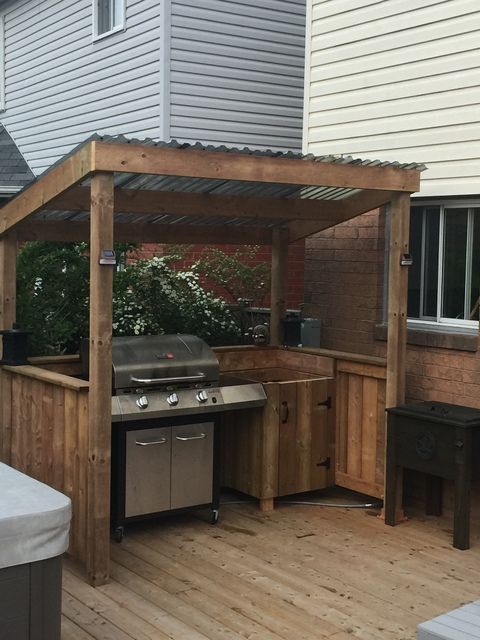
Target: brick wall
<point x="344" y="283"/>
<point x="344" y="280"/>
<point x="296" y="264"/>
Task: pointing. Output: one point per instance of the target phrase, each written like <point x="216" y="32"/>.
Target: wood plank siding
<point x="235" y="70"/>
<point x="397" y="81"/>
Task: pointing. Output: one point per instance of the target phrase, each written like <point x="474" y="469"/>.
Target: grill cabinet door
<point x="192" y="465"/>
<point x="148" y="455"/>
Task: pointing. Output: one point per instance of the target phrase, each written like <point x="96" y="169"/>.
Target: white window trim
<point x="449" y="324"/>
<point x="120" y="27"/>
<point x="2" y="62"/>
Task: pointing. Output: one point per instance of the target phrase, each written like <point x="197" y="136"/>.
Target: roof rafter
<point x="352" y="207"/>
<point x="181" y="203"/>
<point x="141" y="233"/>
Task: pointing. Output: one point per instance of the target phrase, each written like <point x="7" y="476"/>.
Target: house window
<point x="109" y="17"/>
<point x="444" y="281"/>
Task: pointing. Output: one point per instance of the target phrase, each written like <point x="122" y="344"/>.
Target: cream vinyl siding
<point x="397" y="80"/>
<point x="61" y="86"/>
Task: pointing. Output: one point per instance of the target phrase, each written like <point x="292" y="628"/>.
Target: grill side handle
<point x="194" y="378"/>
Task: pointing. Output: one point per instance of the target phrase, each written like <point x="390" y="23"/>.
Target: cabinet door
<point x="303" y="452"/>
<point x="192" y="465"/>
<point x="148" y="455"/>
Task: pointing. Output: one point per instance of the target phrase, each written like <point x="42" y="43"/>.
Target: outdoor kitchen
<point x="265" y="420"/>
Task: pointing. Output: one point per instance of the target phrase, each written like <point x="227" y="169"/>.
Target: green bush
<point x="150" y="297"/>
<point x="52" y="295"/>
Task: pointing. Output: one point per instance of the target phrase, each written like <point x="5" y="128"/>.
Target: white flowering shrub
<point x="150" y="297"/>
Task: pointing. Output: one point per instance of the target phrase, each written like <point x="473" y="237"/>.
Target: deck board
<point x="299" y="573"/>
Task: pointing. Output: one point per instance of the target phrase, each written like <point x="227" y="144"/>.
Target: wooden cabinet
<point x="288" y="446"/>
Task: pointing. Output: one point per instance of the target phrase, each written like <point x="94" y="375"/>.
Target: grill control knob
<point x="142" y="402"/>
<point x="172" y="399"/>
<point x="202" y="396"/>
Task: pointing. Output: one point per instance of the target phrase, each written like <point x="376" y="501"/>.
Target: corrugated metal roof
<point x="218" y="187"/>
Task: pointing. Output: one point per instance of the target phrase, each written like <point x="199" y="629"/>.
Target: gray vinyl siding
<point x="237" y="72"/>
<point x="61" y="86"/>
<point x="398" y="80"/>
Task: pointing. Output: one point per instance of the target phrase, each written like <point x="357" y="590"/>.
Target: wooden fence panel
<point x="44" y="434"/>
<point x="360" y="427"/>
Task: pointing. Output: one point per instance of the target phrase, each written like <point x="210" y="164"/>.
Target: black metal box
<point x="438" y="439"/>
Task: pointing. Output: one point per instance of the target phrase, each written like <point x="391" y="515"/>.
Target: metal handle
<point x="149" y="443"/>
<point x="285" y="412"/>
<point x="200" y="436"/>
<point x="198" y="376"/>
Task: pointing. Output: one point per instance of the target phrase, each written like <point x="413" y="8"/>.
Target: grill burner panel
<point x="173" y="375"/>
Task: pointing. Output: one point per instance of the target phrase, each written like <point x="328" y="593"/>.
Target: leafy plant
<point x="52" y="295"/>
<point x="234" y="275"/>
<point x="151" y="297"/>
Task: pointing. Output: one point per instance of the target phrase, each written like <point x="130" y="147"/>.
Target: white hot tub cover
<point x="34" y="519"/>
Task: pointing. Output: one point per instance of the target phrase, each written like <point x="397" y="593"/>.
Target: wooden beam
<point x="8" y="293"/>
<point x="71" y="231"/>
<point x="147" y="202"/>
<point x="397" y="300"/>
<point x="137" y="158"/>
<point x="34" y="198"/>
<point x="345" y="210"/>
<point x="8" y="280"/>
<point x="397" y="335"/>
<point x="100" y="419"/>
<point x="278" y="292"/>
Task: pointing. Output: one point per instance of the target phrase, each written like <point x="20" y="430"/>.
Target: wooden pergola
<point x="108" y="191"/>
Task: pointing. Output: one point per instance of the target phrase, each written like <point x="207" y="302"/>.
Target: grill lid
<point x="162" y="360"/>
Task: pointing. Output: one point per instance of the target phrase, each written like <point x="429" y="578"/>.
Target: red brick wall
<point x="344" y="285"/>
<point x="296" y="264"/>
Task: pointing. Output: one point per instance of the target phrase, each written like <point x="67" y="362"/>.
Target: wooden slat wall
<point x="44" y="428"/>
<point x="360" y="428"/>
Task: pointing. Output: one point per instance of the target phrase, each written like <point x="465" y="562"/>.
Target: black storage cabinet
<point x="438" y="439"/>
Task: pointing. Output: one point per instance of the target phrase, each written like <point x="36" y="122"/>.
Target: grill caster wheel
<point x="118" y="534"/>
<point x="215" y="516"/>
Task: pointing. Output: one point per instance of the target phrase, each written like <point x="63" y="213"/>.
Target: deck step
<point x="460" y="624"/>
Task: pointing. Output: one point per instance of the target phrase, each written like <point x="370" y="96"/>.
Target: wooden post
<point x="278" y="284"/>
<point x="8" y="291"/>
<point x="397" y="322"/>
<point x="100" y="418"/>
<point x="397" y="300"/>
<point x="8" y="280"/>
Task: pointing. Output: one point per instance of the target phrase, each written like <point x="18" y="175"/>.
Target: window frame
<point x="440" y="322"/>
<point x="119" y="27"/>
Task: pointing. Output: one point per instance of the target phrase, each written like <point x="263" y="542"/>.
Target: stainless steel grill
<point x="173" y="375"/>
<point x="165" y="436"/>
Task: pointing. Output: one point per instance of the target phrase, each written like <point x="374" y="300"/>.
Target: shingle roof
<point x="14" y="171"/>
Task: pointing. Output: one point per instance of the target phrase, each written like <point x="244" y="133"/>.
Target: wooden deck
<point x="300" y="573"/>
